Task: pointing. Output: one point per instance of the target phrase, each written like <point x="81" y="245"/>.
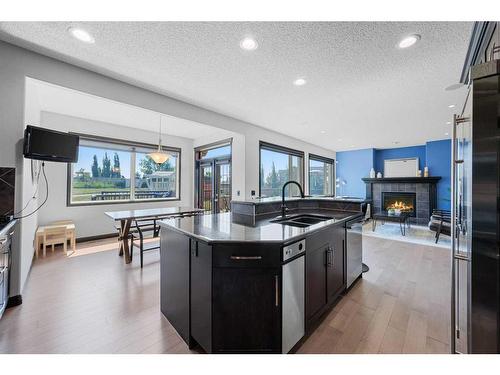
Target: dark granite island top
<point x="227" y="227"/>
<point x="265" y="206"/>
<point x="243" y="283"/>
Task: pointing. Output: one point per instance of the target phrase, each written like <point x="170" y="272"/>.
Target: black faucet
<point x="283" y="206"/>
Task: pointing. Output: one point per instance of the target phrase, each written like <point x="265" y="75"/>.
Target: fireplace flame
<point x="400" y="206"/>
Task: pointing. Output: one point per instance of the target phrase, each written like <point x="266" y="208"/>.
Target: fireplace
<point x="423" y="189"/>
<point x="403" y="201"/>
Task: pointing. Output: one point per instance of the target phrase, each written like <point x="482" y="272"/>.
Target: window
<point x="320" y="175"/>
<point x="113" y="171"/>
<point x="277" y="166"/>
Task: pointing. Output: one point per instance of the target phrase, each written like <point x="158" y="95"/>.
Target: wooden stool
<point x="55" y="235"/>
<point x="70" y="234"/>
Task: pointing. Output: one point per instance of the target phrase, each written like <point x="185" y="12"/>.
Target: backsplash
<point x="7" y="189"/>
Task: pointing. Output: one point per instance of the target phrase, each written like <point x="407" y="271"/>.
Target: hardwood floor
<point x="94" y="303"/>
<point x="402" y="305"/>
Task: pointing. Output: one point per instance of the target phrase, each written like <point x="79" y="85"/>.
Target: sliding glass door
<point x="213" y="171"/>
<point x="206" y="187"/>
<point x="223" y="186"/>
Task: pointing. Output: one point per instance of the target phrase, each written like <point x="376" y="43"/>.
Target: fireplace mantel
<point x="424" y="189"/>
<point x="404" y="180"/>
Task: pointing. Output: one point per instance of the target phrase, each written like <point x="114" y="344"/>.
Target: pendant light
<point x="159" y="157"/>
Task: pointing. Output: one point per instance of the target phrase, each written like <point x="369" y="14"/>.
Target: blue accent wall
<point x="399" y="153"/>
<point x="439" y="164"/>
<point x="352" y="166"/>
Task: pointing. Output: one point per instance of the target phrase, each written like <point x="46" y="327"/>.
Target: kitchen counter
<point x="238" y="283"/>
<point x="227" y="227"/>
<point x="260" y="207"/>
<point x="307" y="198"/>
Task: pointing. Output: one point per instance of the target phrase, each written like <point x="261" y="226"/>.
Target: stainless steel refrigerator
<point x="475" y="314"/>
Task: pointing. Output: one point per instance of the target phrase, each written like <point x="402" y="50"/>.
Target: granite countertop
<point x="307" y="198"/>
<point x="220" y="228"/>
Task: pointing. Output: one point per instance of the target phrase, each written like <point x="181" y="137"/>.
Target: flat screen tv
<point x="50" y="145"/>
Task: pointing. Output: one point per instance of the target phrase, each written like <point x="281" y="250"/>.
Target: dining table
<point x="127" y="217"/>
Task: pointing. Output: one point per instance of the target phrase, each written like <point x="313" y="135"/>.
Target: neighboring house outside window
<point x="114" y="171"/>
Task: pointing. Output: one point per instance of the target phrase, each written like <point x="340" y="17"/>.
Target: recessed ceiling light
<point x="446" y="133"/>
<point x="451" y="106"/>
<point x="81" y="35"/>
<point x="248" y="44"/>
<point x="322" y="132"/>
<point x="409" y="41"/>
<point x="300" y="82"/>
<point x="448" y="123"/>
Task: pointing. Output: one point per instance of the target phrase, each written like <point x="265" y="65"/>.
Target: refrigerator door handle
<point x="458" y="170"/>
<point x="461" y="256"/>
<point x="456" y="331"/>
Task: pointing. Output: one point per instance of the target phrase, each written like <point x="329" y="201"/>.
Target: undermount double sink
<point x="301" y="220"/>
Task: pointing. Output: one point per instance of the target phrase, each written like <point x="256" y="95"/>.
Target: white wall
<point x="27" y="225"/>
<point x="91" y="220"/>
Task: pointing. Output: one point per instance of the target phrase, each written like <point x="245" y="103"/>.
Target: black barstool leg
<point x="131" y="248"/>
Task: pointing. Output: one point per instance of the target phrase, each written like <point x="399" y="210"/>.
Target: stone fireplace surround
<point x="423" y="187"/>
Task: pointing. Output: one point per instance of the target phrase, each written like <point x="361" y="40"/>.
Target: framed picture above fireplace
<point x="406" y="167"/>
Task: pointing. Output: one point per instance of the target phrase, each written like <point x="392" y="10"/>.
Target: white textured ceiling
<point x="362" y="91"/>
<point x="57" y="99"/>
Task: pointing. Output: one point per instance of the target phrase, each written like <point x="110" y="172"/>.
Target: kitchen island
<point x="237" y="283"/>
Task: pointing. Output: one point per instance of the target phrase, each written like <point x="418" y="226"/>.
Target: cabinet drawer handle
<point x="330" y="257"/>
<point x="276" y="290"/>
<point x="242" y="257"/>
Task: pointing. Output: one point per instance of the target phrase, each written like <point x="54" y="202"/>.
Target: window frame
<point x="284" y="150"/>
<point x="198" y="161"/>
<point x="322" y="159"/>
<point x="133" y="145"/>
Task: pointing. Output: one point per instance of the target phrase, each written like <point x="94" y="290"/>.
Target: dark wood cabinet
<point x="246" y="310"/>
<point x="201" y="294"/>
<point x="325" y="270"/>
<point x="227" y="297"/>
<point x="315" y="277"/>
<point x="335" y="280"/>
<point x="174" y="278"/>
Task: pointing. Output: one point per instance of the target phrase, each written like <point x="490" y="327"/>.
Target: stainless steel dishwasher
<point x="293" y="305"/>
<point x="354" y="249"/>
